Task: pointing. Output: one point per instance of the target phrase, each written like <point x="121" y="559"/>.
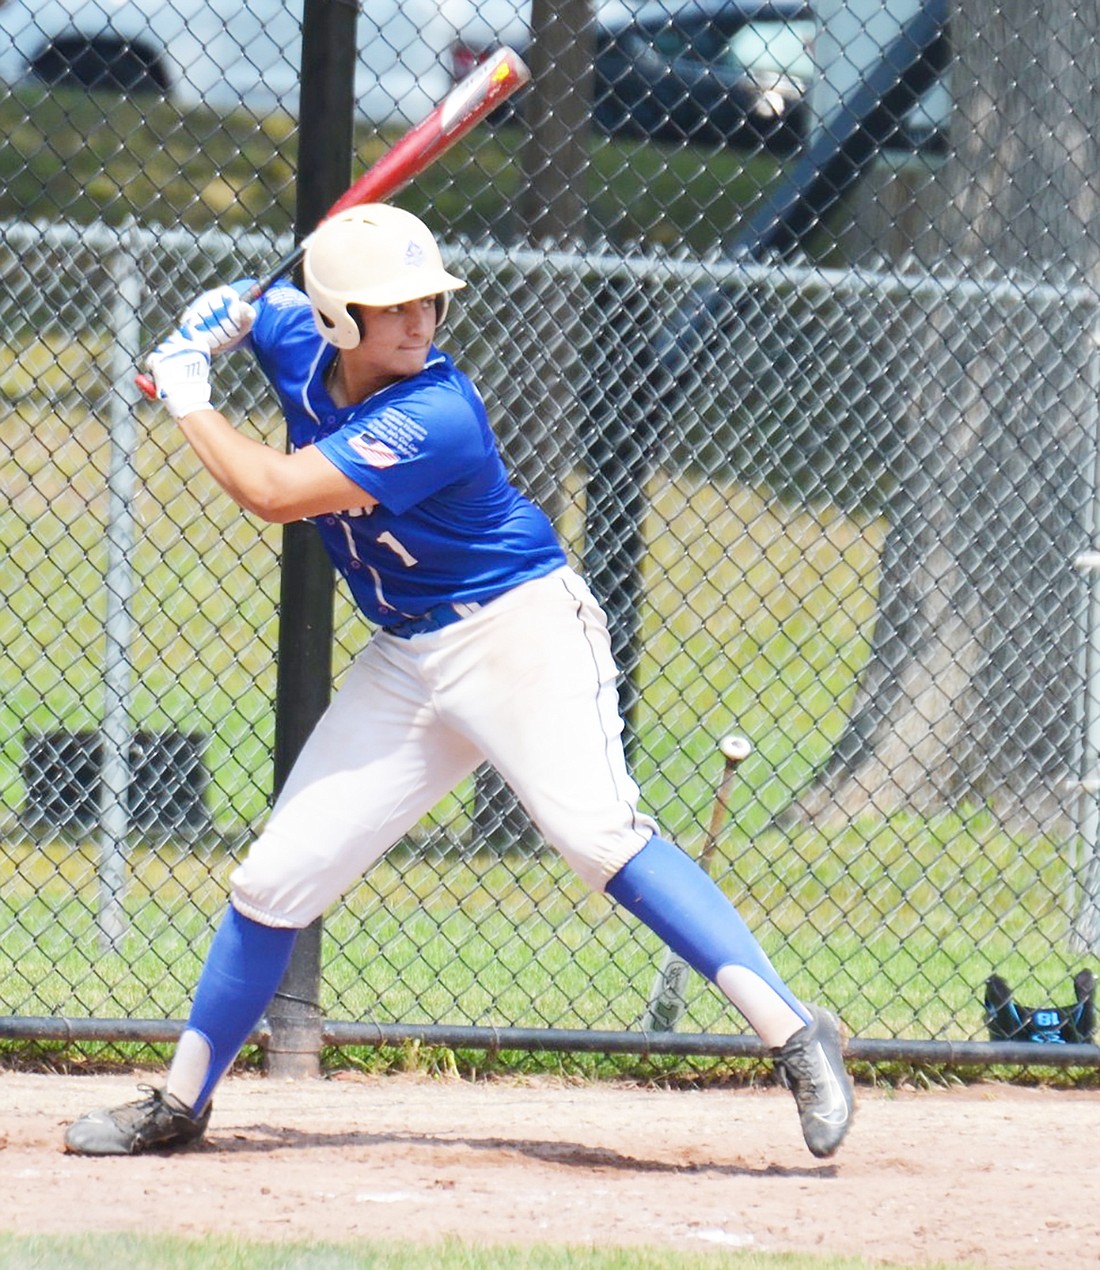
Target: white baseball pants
<point x="527" y="682"/>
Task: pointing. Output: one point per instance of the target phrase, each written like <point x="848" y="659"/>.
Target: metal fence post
<point x="115" y="775"/>
<point x="306" y="619"/>
<point x="1085" y="934"/>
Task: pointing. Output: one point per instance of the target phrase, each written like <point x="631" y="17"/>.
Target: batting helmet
<point x="373" y="254"/>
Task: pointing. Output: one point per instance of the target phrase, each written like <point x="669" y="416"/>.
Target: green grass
<point x="756" y="619"/>
<point x="898" y="927"/>
<point x="206" y="662"/>
<point x="92" y="1252"/>
<point x="499" y="942"/>
<point x="98" y="157"/>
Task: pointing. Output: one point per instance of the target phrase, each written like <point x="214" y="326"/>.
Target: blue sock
<point x="243" y="968"/>
<point x="666" y="889"/>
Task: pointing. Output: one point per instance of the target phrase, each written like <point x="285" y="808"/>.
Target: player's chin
<point x="412" y="361"/>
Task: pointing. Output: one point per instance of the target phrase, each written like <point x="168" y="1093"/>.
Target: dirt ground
<point x="993" y="1175"/>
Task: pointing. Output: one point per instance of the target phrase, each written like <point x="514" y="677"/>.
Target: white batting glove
<point x="180" y="367"/>
<point x="220" y="319"/>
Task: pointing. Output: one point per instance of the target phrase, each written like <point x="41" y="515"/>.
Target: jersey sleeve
<point x="410" y="442"/>
<point x="283" y="316"/>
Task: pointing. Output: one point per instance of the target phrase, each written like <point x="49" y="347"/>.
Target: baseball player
<point x="484" y="634"/>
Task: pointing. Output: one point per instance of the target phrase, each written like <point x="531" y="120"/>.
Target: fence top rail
<point x="729" y="272"/>
<point x="150" y="240"/>
<point x="713" y="272"/>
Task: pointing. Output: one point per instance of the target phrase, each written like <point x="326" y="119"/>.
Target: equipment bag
<point x="1046" y="1025"/>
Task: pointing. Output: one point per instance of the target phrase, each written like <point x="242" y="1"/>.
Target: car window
<point x="705" y="42"/>
<point x="774" y="48"/>
<point x="669" y="42"/>
<point x="638" y="47"/>
<point x="671" y="38"/>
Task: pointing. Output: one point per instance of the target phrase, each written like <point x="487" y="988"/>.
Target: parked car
<point x="710" y="71"/>
<point x="737" y="72"/>
<point x="222" y="53"/>
<point x="716" y="73"/>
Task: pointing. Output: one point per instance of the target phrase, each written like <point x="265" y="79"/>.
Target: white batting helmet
<point x="373" y="254"/>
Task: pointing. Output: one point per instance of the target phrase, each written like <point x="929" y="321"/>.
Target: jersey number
<point x="399" y="550"/>
<point x="385" y="538"/>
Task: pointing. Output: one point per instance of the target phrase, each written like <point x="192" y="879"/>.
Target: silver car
<point x="222" y="53"/>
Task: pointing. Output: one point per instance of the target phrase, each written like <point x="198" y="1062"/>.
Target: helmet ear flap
<point x="338" y="325"/>
<point x="442" y="307"/>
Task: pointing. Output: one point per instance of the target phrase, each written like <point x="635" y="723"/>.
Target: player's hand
<point x="180" y="367"/>
<point x="220" y="319"/>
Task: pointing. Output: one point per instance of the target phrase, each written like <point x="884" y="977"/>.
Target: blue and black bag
<point x="1046" y="1024"/>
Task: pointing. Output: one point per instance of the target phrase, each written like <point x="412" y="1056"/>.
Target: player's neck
<point x="334" y="382"/>
<point x="348" y="384"/>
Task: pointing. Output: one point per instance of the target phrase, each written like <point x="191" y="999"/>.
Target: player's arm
<point x="274" y="485"/>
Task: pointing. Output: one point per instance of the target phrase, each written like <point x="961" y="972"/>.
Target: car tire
<point x="100" y="64"/>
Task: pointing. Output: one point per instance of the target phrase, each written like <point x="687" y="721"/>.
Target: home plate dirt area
<point x="994" y="1175"/>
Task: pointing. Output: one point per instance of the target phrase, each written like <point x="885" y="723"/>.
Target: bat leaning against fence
<point x="667" y="1000"/>
<point x="465" y="106"/>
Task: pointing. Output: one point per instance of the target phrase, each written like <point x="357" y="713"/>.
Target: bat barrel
<point x="478" y="95"/>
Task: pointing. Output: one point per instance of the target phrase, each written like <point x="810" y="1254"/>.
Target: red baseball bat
<point x="479" y="94"/>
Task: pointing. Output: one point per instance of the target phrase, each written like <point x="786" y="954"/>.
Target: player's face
<point x="396" y="340"/>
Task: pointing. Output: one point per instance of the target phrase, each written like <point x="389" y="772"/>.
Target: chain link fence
<point x="786" y="315"/>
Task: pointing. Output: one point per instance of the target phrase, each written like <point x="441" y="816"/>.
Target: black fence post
<point x="325" y="142"/>
<point x="625" y="418"/>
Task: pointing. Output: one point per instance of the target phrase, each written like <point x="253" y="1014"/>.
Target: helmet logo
<point x="414" y="255"/>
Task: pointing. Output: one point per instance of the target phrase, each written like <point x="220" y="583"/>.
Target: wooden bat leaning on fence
<point x="667" y="998"/>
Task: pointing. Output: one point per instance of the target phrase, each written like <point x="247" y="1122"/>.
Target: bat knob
<point x="734" y="748"/>
<point x="145" y="383"/>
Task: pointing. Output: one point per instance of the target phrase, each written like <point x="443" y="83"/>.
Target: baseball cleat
<point x="156" y="1122"/>
<point x="811" y="1065"/>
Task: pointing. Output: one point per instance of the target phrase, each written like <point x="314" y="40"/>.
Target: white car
<point x="222" y="53"/>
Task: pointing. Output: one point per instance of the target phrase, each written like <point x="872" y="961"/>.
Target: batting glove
<point x="219" y="319"/>
<point x="180" y="367"/>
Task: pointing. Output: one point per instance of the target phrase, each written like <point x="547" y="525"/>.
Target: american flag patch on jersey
<point x="374" y="453"/>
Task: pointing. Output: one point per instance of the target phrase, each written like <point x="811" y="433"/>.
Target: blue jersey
<point x="448" y="528"/>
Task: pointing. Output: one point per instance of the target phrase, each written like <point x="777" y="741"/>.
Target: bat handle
<point x="280" y="270"/>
